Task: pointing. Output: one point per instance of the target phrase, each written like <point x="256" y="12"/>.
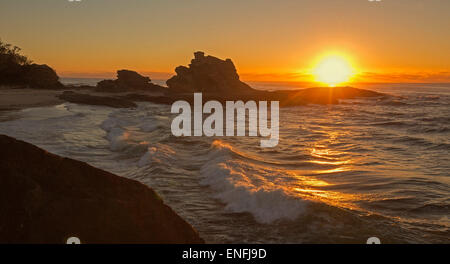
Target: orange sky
<point x="387" y="41"/>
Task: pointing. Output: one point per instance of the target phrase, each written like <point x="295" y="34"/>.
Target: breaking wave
<point x="242" y="191"/>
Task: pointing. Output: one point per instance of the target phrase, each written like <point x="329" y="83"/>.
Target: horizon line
<point x="361" y="78"/>
<point x="283" y="81"/>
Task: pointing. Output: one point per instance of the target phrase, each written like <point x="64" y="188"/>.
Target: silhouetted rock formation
<point x="40" y="76"/>
<point x="128" y="78"/>
<point x="128" y="81"/>
<point x="45" y="198"/>
<point x="207" y="74"/>
<point x="80" y="98"/>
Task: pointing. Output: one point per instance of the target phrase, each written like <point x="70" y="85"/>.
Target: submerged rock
<point x="80" y="98"/>
<point x="45" y="198"/>
<point x="323" y="95"/>
<point x="207" y="74"/>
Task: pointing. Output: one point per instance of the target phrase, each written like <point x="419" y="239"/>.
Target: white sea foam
<point x="118" y="138"/>
<point x="160" y="153"/>
<point x="247" y="191"/>
<point x="115" y="134"/>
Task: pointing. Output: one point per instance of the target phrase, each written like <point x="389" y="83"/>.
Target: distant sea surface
<point x="340" y="174"/>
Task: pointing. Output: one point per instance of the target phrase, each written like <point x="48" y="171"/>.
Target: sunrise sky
<point x="277" y="40"/>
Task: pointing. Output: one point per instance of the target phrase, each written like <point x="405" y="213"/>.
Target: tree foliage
<point x="10" y="54"/>
<point x="12" y="64"/>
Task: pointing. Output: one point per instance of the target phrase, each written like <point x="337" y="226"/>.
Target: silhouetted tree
<point x="11" y="62"/>
<point x="12" y="54"/>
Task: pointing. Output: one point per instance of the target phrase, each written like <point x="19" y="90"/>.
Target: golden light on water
<point x="333" y="70"/>
<point x="315" y="190"/>
<point x="306" y="184"/>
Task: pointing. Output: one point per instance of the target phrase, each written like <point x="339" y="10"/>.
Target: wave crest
<point x="245" y="191"/>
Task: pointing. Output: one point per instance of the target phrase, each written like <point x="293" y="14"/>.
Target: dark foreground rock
<point x="80" y="98"/>
<point x="45" y="198"/>
<point x="128" y="81"/>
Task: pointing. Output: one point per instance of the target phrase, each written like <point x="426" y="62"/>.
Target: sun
<point x="333" y="70"/>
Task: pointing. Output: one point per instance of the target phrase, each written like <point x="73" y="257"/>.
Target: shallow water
<point x="340" y="173"/>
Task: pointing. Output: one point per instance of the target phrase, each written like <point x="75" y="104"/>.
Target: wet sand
<point x="20" y="98"/>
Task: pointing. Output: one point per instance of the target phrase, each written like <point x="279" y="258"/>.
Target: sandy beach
<point x="13" y="98"/>
<point x="20" y="98"/>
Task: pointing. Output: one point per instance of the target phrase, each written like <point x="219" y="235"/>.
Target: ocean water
<point x="340" y="174"/>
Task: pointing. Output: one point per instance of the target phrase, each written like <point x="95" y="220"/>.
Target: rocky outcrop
<point x="81" y="98"/>
<point x="207" y="74"/>
<point x="128" y="81"/>
<point x="35" y="76"/>
<point x="107" y="86"/>
<point x="45" y="198"/>
<point x="40" y="76"/>
<point x="132" y="79"/>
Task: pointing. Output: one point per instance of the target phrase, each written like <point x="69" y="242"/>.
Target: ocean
<point x="340" y="173"/>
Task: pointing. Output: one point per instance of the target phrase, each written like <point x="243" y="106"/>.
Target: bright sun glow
<point x="333" y="70"/>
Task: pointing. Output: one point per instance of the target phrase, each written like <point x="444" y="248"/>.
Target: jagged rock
<point x="207" y="74"/>
<point x="45" y="198"/>
<point x="128" y="81"/>
<point x="80" y="98"/>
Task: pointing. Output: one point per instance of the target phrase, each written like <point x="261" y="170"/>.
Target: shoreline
<point x="14" y="98"/>
<point x="18" y="98"/>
